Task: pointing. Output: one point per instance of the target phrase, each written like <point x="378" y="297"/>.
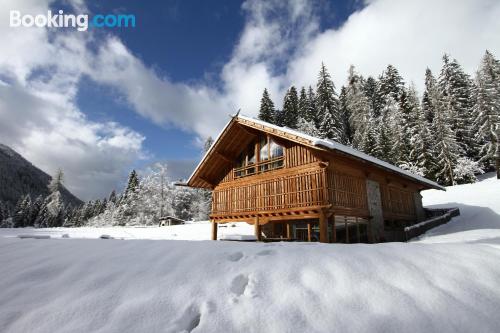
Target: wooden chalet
<point x="292" y="186"/>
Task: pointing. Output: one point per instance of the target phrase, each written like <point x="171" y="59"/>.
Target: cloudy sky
<point x="100" y="102"/>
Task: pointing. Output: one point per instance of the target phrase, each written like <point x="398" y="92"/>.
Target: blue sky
<point x="187" y="41"/>
<point x="101" y="102"/>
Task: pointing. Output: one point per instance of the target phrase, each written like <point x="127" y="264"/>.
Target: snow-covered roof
<point x="328" y="144"/>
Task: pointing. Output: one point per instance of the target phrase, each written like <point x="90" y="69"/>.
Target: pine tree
<point x="291" y="108"/>
<point x="303" y="104"/>
<point x="345" y="116"/>
<point x="307" y="127"/>
<point x="422" y="152"/>
<point x="455" y="88"/>
<point x="446" y="146"/>
<point x="391" y="84"/>
<point x="132" y="184"/>
<point x="328" y="109"/>
<point x="36" y="207"/>
<point x="2" y="213"/>
<point x="430" y="97"/>
<point x="112" y="197"/>
<point x="372" y="92"/>
<point x="405" y="125"/>
<point x="487" y="110"/>
<point x="358" y="107"/>
<point x="312" y="111"/>
<point x="267" y="111"/>
<point x="369" y="145"/>
<point x="386" y="137"/>
<point x="208" y="143"/>
<point x="22" y="212"/>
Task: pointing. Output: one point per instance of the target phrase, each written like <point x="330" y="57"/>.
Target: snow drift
<point x="449" y="281"/>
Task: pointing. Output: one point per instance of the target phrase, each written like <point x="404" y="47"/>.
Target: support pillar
<point x="334" y="230"/>
<point x="323" y="227"/>
<point x="214" y="230"/>
<point x="257" y="228"/>
<point x="288" y="231"/>
<point x="309" y="232"/>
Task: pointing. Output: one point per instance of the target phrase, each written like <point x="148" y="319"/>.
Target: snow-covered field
<point x="448" y="281"/>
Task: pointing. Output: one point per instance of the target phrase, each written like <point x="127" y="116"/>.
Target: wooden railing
<point x="263" y="166"/>
<point x="287" y="191"/>
<point x="397" y="202"/>
<point x="346" y="191"/>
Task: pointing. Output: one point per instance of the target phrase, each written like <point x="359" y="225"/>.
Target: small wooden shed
<point x="290" y="185"/>
<point x="169" y="220"/>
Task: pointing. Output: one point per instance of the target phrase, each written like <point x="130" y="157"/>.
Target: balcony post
<point x="214" y="230"/>
<point x="323" y="227"/>
<point x="258" y="233"/>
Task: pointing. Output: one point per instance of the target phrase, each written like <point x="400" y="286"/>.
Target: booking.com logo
<point x="81" y="22"/>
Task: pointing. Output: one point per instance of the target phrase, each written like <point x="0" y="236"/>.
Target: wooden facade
<point x="289" y="187"/>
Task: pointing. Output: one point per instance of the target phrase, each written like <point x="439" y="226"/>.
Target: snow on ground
<point x="445" y="282"/>
<point x="188" y="231"/>
<point x="479" y="220"/>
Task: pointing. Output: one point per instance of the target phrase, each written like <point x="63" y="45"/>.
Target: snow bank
<point x="190" y="231"/>
<point x="85" y="285"/>
<point x="449" y="281"/>
<point x="479" y="220"/>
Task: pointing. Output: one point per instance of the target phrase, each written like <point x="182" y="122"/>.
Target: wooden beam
<point x="323" y="227"/>
<point x="309" y="232"/>
<point x="225" y="158"/>
<point x="288" y="231"/>
<point x="214" y="230"/>
<point x="257" y="229"/>
<point x="209" y="182"/>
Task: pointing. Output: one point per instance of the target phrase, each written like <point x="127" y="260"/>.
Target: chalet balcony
<point x="287" y="190"/>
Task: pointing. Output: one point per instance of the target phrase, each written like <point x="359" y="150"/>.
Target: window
<point x="270" y="156"/>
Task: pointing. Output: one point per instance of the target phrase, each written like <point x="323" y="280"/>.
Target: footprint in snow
<point x="235" y="256"/>
<point x="187" y="322"/>
<point x="265" y="252"/>
<point x="239" y="284"/>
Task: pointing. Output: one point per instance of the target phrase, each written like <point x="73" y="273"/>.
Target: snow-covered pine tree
<point x="446" y="146"/>
<point x="303" y="104"/>
<point x="405" y="125"/>
<point x="328" y="109"/>
<point x="372" y="92"/>
<point x="430" y="97"/>
<point x="182" y="200"/>
<point x="391" y="84"/>
<point x="386" y="125"/>
<point x="22" y="212"/>
<point x="487" y="110"/>
<point x="358" y="107"/>
<point x="312" y="110"/>
<point x="36" y="206"/>
<point x="307" y="127"/>
<point x="455" y="88"/>
<point x="345" y="116"/>
<point x="369" y="145"/>
<point x="422" y="152"/>
<point x="267" y="111"/>
<point x="132" y="184"/>
<point x="210" y="141"/>
<point x="291" y="108"/>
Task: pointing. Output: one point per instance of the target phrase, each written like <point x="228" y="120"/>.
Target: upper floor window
<point x="263" y="155"/>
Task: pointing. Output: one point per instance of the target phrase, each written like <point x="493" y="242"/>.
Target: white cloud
<point x="38" y="114"/>
<point x="281" y="44"/>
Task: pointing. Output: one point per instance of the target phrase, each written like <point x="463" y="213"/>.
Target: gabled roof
<point x="302" y="138"/>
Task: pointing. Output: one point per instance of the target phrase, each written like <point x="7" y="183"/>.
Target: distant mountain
<point x="19" y="177"/>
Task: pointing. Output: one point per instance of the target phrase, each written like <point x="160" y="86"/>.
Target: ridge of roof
<point x="325" y="143"/>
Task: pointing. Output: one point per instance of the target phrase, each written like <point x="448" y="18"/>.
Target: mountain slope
<point x="19" y="177"/>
